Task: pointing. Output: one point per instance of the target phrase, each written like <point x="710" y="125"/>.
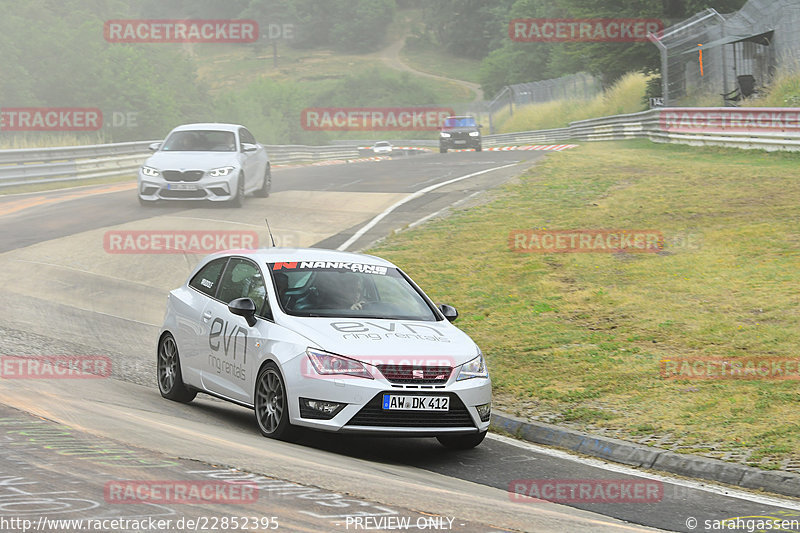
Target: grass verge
<point x="578" y="338"/>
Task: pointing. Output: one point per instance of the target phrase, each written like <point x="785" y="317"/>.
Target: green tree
<point x="514" y="62"/>
<point x="354" y="26"/>
<point x="54" y="55"/>
<point x="467" y="28"/>
<point x="271" y="110"/>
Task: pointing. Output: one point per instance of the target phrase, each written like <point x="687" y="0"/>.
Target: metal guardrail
<point x="393" y="142"/>
<point x="527" y="137"/>
<point x="769" y="129"/>
<point x="70" y="163"/>
<point x="279" y="154"/>
<point x="760" y="128"/>
<point x="42" y="155"/>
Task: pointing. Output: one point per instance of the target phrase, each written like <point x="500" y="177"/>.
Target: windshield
<point x="347" y="290"/>
<point x="459" y="122"/>
<point x="200" y="141"/>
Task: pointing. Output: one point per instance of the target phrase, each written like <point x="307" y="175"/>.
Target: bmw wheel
<point x="271" y="405"/>
<point x="170" y="380"/>
<point x="266" y="185"/>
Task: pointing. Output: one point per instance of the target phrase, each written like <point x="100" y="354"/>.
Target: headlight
<point x="444" y="134"/>
<point x="150" y="171"/>
<point x="219" y="172"/>
<point x="474" y="369"/>
<point x="474" y="133"/>
<point x="326" y="364"/>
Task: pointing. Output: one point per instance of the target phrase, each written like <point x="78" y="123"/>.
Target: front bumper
<point x="363" y="411"/>
<point x="213" y="189"/>
<point x="456" y="142"/>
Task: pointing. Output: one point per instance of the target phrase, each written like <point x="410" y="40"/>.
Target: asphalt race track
<point x="65" y="443"/>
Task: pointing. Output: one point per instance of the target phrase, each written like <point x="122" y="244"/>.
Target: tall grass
<point x="784" y="91"/>
<point x="701" y="99"/>
<point x="625" y="96"/>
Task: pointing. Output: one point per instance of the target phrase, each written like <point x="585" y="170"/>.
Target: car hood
<point x="376" y="341"/>
<point x="460" y="130"/>
<point x="192" y="160"/>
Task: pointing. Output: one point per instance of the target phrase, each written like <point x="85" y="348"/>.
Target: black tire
<point x="461" y="442"/>
<point x="238" y="200"/>
<point x="442" y="150"/>
<point x="479" y="148"/>
<point x="271" y="403"/>
<point x="170" y="379"/>
<point x="266" y="185"/>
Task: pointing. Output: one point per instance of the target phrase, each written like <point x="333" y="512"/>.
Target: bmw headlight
<point x="474" y="133"/>
<point x="219" y="172"/>
<point x="328" y="364"/>
<point x="150" y="171"/>
<point x="444" y="134"/>
<point x="475" y="368"/>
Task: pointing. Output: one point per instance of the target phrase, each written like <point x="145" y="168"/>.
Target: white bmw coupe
<point x="214" y="162"/>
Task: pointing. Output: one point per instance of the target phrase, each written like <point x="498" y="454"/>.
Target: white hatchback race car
<point x="327" y="340"/>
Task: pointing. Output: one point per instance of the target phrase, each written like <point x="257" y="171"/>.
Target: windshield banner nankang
<point x="329" y="265"/>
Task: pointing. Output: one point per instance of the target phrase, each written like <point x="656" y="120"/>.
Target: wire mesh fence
<point x="580" y="86"/>
<point x="727" y="58"/>
<point x="690" y="67"/>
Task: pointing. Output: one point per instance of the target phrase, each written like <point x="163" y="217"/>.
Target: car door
<point x="231" y="345"/>
<point x="191" y="329"/>
<point x="254" y="163"/>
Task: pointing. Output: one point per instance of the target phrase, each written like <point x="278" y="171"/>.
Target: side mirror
<point x="248" y="147"/>
<point x="154" y="147"/>
<point x="448" y="311"/>
<point x="244" y="307"/>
